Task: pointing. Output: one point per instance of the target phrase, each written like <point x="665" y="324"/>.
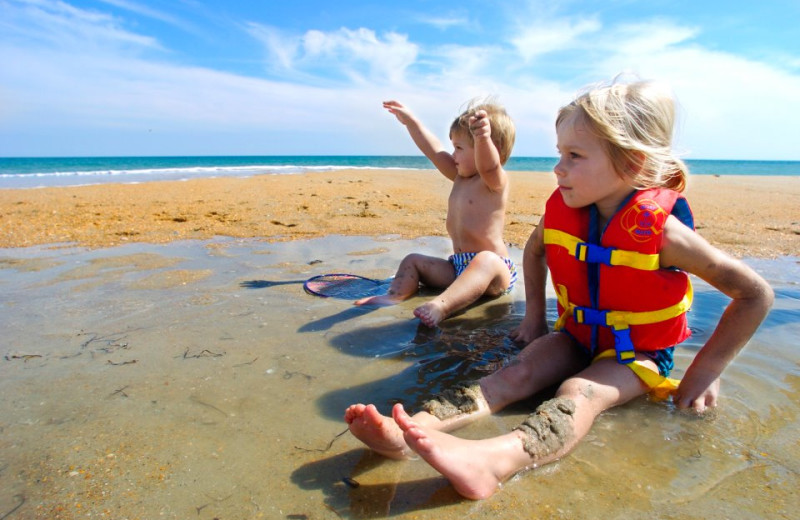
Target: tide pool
<point x="197" y="380"/>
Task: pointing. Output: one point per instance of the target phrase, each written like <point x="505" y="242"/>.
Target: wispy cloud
<point x="359" y="55"/>
<point x="59" y="25"/>
<point x="547" y="36"/>
<point x="445" y="22"/>
<point x="281" y="48"/>
<point x="149" y="12"/>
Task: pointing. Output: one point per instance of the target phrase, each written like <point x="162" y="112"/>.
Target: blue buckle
<point x="589" y="316"/>
<point x="593" y="253"/>
<point x="623" y="346"/>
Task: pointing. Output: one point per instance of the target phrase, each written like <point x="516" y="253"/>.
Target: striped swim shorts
<point x="460" y="262"/>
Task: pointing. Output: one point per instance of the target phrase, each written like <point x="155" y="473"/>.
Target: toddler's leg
<point x="414" y="268"/>
<point x="487" y="274"/>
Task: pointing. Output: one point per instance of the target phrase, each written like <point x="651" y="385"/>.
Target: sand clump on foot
<point x="457" y="400"/>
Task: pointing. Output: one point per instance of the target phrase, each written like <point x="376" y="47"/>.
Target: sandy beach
<point x="161" y="360"/>
<point x="744" y="215"/>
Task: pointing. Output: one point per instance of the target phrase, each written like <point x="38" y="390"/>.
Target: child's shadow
<point x="350" y="312"/>
<point x="329" y="321"/>
<point x="429" y="359"/>
<point x="264" y="284"/>
<point x="337" y="478"/>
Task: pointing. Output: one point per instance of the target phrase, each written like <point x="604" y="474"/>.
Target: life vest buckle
<point x="623" y="345"/>
<point x="593" y="253"/>
<point x="589" y="316"/>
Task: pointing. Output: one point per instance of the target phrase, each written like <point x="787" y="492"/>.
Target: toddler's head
<point x="635" y="121"/>
<point x="503" y="130"/>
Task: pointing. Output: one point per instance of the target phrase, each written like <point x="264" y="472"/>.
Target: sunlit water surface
<point x="199" y="380"/>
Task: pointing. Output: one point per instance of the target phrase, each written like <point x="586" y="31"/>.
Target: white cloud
<point x="547" y="36"/>
<point x="729" y="103"/>
<point x="647" y="37"/>
<point x="357" y="54"/>
<point x="453" y="65"/>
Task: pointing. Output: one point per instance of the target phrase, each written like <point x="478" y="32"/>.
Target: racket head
<point x="344" y="286"/>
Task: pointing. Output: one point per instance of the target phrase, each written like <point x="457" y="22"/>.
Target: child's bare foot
<point x="465" y="463"/>
<point x="380" y="433"/>
<point x="431" y="313"/>
<point x="382" y="300"/>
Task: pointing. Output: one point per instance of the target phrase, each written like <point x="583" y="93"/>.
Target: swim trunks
<point x="460" y="262"/>
<point x="663" y="358"/>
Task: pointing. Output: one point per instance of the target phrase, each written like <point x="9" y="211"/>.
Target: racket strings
<point x="345" y="286"/>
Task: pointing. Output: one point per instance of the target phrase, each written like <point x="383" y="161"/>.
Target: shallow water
<point x="198" y="380"/>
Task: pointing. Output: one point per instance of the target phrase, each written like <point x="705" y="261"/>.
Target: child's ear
<point x="636" y="162"/>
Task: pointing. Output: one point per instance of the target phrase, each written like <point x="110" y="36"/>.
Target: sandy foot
<point x="431" y="313"/>
<point x="380" y="433"/>
<point x="465" y="463"/>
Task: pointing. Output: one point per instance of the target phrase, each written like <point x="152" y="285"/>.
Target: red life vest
<point x="615" y="294"/>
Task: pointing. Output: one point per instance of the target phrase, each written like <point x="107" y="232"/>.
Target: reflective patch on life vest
<point x="644" y="220"/>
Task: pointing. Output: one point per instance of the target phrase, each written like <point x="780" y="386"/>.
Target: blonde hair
<point x="635" y="121"/>
<point x="502" y="126"/>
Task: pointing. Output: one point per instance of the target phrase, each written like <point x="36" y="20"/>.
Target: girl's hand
<point x="697" y="393"/>
<point x="528" y="330"/>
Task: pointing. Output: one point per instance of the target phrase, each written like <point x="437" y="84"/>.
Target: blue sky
<point x="192" y="77"/>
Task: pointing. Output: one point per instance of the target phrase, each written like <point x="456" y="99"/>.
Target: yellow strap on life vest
<point x="642" y="261"/>
<point x="660" y="387"/>
<point x="623" y="319"/>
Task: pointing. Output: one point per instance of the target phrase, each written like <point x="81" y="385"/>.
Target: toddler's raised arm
<point x="487" y="158"/>
<point x="426" y="141"/>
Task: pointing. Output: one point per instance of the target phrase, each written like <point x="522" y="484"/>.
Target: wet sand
<point x="743" y="215"/>
<point x="196" y="379"/>
<point x="154" y="367"/>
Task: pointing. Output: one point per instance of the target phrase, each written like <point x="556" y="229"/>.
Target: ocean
<point x="36" y="172"/>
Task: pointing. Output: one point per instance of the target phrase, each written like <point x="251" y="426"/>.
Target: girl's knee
<point x="577" y="389"/>
<point x="510" y="384"/>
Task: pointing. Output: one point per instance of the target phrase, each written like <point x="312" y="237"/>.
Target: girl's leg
<point x="413" y="270"/>
<point x="546" y="361"/>
<point x="477" y="467"/>
<point x="487" y="274"/>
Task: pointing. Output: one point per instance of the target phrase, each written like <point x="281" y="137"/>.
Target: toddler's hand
<point x="479" y="124"/>
<point x="399" y="110"/>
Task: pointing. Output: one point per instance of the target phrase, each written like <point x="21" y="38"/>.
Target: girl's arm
<point x="534" y="265"/>
<point x="751" y="299"/>
<point x="427" y="143"/>
<point x="487" y="158"/>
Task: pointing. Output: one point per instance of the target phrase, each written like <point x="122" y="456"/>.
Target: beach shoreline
<point x="746" y="216"/>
